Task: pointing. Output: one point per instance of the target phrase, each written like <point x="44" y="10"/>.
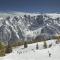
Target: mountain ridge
<point x="20" y="27"/>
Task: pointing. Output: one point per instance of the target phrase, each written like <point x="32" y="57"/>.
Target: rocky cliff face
<point x="19" y="27"/>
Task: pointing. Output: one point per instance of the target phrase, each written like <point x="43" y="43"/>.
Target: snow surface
<point x="30" y="53"/>
<point x="14" y="13"/>
<point x="53" y="15"/>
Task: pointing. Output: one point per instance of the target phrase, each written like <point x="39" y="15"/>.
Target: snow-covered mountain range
<point x="19" y="26"/>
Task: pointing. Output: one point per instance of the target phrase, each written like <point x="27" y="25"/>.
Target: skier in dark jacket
<point x="49" y="54"/>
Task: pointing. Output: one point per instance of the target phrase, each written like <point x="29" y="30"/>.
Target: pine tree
<point x="1" y="46"/>
<point x="37" y="46"/>
<point x="8" y="48"/>
<point x="25" y="44"/>
<point x="45" y="44"/>
<point x="2" y="49"/>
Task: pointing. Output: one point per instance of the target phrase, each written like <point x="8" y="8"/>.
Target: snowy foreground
<point x="30" y="53"/>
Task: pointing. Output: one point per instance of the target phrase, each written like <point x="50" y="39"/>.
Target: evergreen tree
<point x="37" y="47"/>
<point x="25" y="44"/>
<point x="1" y="46"/>
<point x="8" y="48"/>
<point x="45" y="44"/>
<point x="2" y="49"/>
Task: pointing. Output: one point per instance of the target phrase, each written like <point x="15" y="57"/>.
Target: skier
<point x="49" y="54"/>
<point x="17" y="52"/>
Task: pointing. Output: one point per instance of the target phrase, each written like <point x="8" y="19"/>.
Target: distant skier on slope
<point x="49" y="54"/>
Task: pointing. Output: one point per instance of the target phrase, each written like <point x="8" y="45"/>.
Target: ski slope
<point x="30" y="53"/>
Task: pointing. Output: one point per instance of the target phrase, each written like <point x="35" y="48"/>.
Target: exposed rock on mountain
<point x="21" y="27"/>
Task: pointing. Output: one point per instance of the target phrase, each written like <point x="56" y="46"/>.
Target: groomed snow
<point x="30" y="53"/>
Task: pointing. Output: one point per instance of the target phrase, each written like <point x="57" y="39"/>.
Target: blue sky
<point x="30" y="5"/>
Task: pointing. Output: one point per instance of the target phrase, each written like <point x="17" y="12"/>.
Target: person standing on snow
<point x="49" y="54"/>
